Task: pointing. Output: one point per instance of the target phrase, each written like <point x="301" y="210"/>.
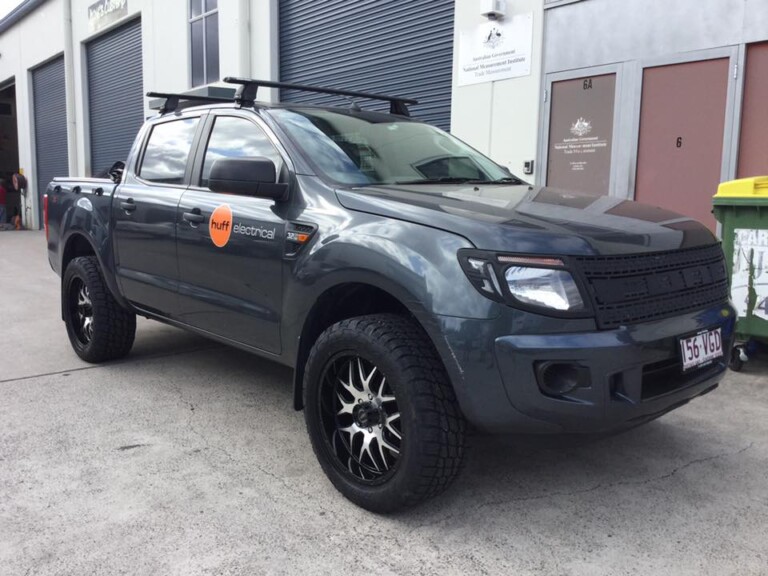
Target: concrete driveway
<point x="187" y="458"/>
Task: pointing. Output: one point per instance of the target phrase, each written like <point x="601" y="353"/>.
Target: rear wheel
<point x="99" y="329"/>
<point x="381" y="414"/>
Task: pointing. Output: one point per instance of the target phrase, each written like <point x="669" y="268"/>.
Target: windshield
<point x="360" y="148"/>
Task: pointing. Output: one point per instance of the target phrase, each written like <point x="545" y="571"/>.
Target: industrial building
<point x="638" y="99"/>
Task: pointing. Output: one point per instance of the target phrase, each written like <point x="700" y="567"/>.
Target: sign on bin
<point x="749" y="283"/>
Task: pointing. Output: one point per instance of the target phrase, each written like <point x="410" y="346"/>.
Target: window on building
<point x="165" y="158"/>
<point x="204" y="41"/>
<point x="237" y="138"/>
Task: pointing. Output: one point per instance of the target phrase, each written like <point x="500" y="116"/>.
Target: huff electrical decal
<point x="222" y="225"/>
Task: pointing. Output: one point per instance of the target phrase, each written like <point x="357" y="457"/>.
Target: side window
<point x="165" y="158"/>
<point x="237" y="138"/>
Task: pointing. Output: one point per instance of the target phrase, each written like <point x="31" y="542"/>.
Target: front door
<point x="581" y="134"/>
<point x="230" y="248"/>
<point x="753" y="144"/>
<point x="144" y="211"/>
<point x="682" y="124"/>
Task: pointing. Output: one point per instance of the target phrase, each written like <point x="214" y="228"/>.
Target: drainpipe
<point x="244" y="47"/>
<point x="70" y="53"/>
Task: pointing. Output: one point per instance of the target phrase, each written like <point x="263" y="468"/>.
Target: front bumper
<point x="634" y="372"/>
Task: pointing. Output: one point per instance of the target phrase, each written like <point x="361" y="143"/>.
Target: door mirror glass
<point x="246" y="177"/>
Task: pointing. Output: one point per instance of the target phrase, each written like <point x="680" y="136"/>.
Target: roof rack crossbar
<point x="246" y="93"/>
<point x="172" y="100"/>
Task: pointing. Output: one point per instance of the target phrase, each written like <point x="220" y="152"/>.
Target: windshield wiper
<point x="506" y="180"/>
<point x="441" y="180"/>
<point x="455" y="180"/>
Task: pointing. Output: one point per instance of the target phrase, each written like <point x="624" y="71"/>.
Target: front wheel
<point x="99" y="329"/>
<point x="381" y="414"/>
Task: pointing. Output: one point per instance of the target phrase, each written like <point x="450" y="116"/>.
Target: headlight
<point x="545" y="287"/>
<point x="542" y="282"/>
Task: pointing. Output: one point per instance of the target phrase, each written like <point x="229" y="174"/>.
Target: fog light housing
<point x="558" y="379"/>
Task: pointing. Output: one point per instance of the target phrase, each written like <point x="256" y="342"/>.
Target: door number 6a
<point x="679" y="142"/>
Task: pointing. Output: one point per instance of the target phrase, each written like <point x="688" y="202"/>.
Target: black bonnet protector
<point x="533" y="220"/>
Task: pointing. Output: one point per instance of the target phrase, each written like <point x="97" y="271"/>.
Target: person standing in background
<point x="3" y="195"/>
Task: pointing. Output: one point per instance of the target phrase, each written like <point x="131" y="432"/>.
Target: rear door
<point x="230" y="248"/>
<point x="144" y="211"/>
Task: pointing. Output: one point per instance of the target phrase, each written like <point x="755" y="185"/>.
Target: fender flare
<point x="423" y="317"/>
<point x="73" y="235"/>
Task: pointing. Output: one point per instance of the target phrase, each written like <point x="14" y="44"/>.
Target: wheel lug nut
<point x="370" y="430"/>
<point x="359" y="401"/>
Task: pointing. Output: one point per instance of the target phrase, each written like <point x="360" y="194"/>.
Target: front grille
<point x="667" y="376"/>
<point x="639" y="288"/>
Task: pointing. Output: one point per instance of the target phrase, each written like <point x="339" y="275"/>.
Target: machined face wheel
<point x="381" y="413"/>
<point x="361" y="417"/>
<point x="81" y="309"/>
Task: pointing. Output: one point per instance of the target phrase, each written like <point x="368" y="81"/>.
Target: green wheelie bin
<point x="741" y="206"/>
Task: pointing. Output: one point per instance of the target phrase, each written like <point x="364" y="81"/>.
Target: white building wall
<point x="33" y="41"/>
<point x="628" y="35"/>
<point x="248" y="40"/>
<point x="501" y="119"/>
<point x="247" y="47"/>
<point x="165" y="55"/>
<point x="607" y="31"/>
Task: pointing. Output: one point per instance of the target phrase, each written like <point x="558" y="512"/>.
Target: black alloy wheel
<point x="360" y="416"/>
<point x="381" y="413"/>
<point x="99" y="329"/>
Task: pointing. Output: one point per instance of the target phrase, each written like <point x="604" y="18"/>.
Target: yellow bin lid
<point x="745" y="188"/>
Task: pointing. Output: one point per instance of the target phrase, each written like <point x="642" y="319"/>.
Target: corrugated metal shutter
<point x="398" y="47"/>
<point x="50" y="121"/>
<point x="116" y="94"/>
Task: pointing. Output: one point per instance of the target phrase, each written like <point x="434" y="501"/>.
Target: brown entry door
<point x="682" y="123"/>
<point x="753" y="144"/>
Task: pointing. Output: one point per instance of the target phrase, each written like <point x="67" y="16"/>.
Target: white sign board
<point x="496" y="50"/>
<point x="750" y="269"/>
<point x="105" y="12"/>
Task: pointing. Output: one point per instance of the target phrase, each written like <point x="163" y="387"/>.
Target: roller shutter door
<point x="399" y="47"/>
<point x="116" y="94"/>
<point x="50" y="122"/>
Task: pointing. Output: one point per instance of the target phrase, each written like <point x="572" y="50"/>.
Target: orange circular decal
<point x="220" y="225"/>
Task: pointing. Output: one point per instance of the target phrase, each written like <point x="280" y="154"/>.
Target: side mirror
<point x="115" y="173"/>
<point x="247" y="177"/>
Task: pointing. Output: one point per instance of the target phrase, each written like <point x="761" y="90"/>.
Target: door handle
<point x="194" y="217"/>
<point x="128" y="205"/>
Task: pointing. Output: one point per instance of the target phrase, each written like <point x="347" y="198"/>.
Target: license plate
<point x="701" y="348"/>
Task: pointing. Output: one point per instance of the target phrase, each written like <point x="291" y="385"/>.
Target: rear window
<point x="167" y="151"/>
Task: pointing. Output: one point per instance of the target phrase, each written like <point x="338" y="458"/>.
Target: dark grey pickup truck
<point x="412" y="284"/>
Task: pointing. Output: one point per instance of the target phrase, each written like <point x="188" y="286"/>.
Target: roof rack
<point x="246" y="93"/>
<point x="172" y="100"/>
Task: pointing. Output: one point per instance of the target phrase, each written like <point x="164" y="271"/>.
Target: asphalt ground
<point x="187" y="458"/>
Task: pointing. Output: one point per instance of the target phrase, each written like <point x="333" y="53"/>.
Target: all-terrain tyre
<point x="99" y="329"/>
<point x="381" y="413"/>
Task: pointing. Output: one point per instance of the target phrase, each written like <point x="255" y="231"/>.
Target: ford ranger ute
<point x="414" y="286"/>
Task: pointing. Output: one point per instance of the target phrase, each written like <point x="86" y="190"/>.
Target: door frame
<point x="544" y="123"/>
<point x="728" y="158"/>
